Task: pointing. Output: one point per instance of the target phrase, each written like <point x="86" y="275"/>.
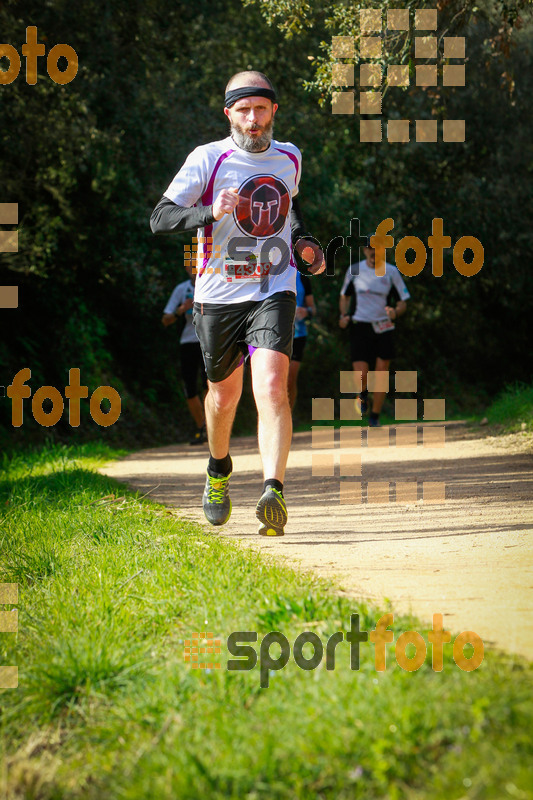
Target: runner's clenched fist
<point x="226" y="201"/>
<point x="311" y="253"/>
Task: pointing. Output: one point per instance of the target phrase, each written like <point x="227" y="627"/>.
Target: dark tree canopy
<point x="87" y="161"/>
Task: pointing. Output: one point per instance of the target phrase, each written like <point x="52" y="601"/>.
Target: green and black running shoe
<point x="271" y="512"/>
<point x="216" y="502"/>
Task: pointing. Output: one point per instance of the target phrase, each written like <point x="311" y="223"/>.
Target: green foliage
<point x="88" y="161"/>
<point x="513" y="408"/>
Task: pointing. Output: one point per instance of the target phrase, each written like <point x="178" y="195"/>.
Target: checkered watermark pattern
<point x="352" y="443"/>
<point x="9" y="243"/>
<point x="201" y="249"/>
<point x="9" y="623"/>
<point x="372" y="42"/>
<point x="201" y="644"/>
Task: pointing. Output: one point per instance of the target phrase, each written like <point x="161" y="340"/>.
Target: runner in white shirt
<point x="241" y="193"/>
<point x="192" y="366"/>
<point x="372" y="322"/>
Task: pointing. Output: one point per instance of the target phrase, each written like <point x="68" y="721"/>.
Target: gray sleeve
<point x="167" y="217"/>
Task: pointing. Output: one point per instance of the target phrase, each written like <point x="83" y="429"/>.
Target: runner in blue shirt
<point x="305" y="308"/>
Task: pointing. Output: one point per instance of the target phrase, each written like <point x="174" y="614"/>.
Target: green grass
<point x="110" y="587"/>
<point x="513" y="409"/>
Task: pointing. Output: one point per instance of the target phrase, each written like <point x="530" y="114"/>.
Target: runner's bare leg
<point x="197" y="410"/>
<point x="362" y="367"/>
<point x="378" y="398"/>
<point x="270" y="371"/>
<point x="220" y="406"/>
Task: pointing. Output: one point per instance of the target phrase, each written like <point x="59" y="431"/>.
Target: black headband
<point x="247" y="91"/>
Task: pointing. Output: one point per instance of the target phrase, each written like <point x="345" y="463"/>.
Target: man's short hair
<point x="254" y="78"/>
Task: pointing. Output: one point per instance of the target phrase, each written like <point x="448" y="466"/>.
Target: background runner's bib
<point x="258" y="229"/>
<point x="382" y="326"/>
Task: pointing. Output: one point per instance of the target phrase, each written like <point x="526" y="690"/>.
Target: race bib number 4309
<point x="245" y="270"/>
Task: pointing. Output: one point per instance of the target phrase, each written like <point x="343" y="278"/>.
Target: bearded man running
<point x="241" y="195"/>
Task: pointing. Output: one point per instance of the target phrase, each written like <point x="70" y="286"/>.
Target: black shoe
<point x="271" y="512"/>
<point x="215" y="501"/>
<point x="200" y="437"/>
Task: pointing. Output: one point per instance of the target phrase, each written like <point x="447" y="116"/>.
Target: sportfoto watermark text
<point x="239" y="645"/>
<point x="31" y="50"/>
<point x="242" y="248"/>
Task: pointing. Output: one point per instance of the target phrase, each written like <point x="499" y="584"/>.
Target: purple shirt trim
<point x="296" y="166"/>
<point x="292" y="158"/>
<point x="207" y="199"/>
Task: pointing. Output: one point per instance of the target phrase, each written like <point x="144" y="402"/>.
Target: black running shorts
<point x="367" y="345"/>
<point x="192" y="365"/>
<point x="230" y="331"/>
<point x="298" y="347"/>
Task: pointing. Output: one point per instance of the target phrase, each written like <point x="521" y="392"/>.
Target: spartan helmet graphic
<point x="265" y="205"/>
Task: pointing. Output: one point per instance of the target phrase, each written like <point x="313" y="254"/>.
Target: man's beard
<point x="253" y="144"/>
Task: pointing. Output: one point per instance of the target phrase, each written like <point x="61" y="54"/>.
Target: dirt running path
<point x="469" y="557"/>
